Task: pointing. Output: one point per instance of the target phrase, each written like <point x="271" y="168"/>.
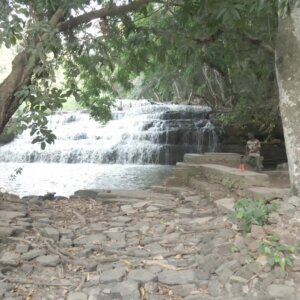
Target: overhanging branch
<point x="101" y="13"/>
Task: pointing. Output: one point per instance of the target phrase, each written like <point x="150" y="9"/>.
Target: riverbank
<point x="140" y="245"/>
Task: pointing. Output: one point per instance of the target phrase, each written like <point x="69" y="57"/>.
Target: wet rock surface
<point x="138" y="245"/>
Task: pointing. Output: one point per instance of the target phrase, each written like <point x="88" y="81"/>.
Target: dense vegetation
<point x="218" y="53"/>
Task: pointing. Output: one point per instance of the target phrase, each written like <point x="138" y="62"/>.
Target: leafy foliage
<point x="213" y="52"/>
<point x="277" y="253"/>
<point x="251" y="212"/>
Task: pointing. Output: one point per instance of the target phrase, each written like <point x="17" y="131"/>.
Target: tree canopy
<point x="217" y="52"/>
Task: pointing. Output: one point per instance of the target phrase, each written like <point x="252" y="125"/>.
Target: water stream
<point x="127" y="152"/>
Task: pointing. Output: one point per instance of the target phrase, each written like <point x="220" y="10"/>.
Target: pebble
<point x="32" y="254"/>
<point x="48" y="260"/>
<point x="10" y="259"/>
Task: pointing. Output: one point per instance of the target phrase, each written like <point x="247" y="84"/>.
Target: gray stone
<point x="281" y="291"/>
<point x="5" y="214"/>
<point x="113" y="275"/>
<point x="128" y="289"/>
<point x="200" y="221"/>
<point x="294" y="200"/>
<point x="202" y="275"/>
<point x="184" y="290"/>
<point x="25" y="225"/>
<point x="155" y="249"/>
<point x="279" y="273"/>
<point x="285" y="208"/>
<point x="225" y="204"/>
<point x="177" y="277"/>
<point x="215" y="288"/>
<point x="65" y="243"/>
<point x="296" y="264"/>
<point x="236" y="288"/>
<point x="87" y="193"/>
<point x="141" y="275"/>
<point x="10" y="259"/>
<point x="77" y="296"/>
<point x="128" y="209"/>
<point x="116" y="236"/>
<point x="5" y="232"/>
<point x="152" y="208"/>
<point x="257" y="232"/>
<point x="48" y="260"/>
<point x="33" y="254"/>
<point x="67" y="233"/>
<point x="225" y="275"/>
<point x="233" y="265"/>
<point x="3" y="288"/>
<point x="90" y="239"/>
<point x="122" y="219"/>
<point x="140" y="205"/>
<point x="184" y="211"/>
<point x="50" y="232"/>
<point x="44" y="221"/>
<point x="22" y="248"/>
<point x="96" y="291"/>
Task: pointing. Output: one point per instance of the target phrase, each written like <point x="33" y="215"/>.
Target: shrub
<point x="251" y="212"/>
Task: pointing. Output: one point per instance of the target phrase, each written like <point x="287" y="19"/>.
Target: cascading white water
<point x="140" y="132"/>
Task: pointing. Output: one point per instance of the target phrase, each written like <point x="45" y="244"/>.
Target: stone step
<point x="225" y="159"/>
<point x="266" y="193"/>
<point x="168" y="189"/>
<point x="210" y="190"/>
<point x="279" y="178"/>
<point x="174" y="181"/>
<point x="227" y="176"/>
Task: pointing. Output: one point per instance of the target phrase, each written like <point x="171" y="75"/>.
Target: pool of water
<point x="65" y="179"/>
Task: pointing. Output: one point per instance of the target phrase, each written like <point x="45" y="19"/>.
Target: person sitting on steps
<point x="252" y="155"/>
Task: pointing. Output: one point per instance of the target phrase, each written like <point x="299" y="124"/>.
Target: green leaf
<point x="282" y="263"/>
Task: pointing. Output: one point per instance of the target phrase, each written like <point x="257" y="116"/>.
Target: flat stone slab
<point x="5" y="214"/>
<point x="6" y="231"/>
<point x="48" y="260"/>
<point x="222" y="174"/>
<point x="225" y="204"/>
<point x="225" y="159"/>
<point x="267" y="193"/>
<point x="177" y="277"/>
<point x="122" y="194"/>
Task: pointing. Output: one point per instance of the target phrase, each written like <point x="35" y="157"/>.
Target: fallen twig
<point x="33" y="245"/>
<point x="82" y="281"/>
<point x="163" y="265"/>
<point x="52" y="249"/>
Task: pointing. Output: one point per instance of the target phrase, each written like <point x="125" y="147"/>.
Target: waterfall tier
<point x="140" y="132"/>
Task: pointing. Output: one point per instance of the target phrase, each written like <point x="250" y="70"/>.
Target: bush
<point x="251" y="212"/>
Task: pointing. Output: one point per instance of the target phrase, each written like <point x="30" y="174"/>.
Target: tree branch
<point x="101" y="13"/>
<point x="209" y="39"/>
<point x="256" y="41"/>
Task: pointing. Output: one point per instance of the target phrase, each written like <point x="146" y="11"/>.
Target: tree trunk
<point x="20" y="76"/>
<point x="288" y="78"/>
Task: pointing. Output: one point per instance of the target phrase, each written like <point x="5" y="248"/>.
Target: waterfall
<point x="140" y="132"/>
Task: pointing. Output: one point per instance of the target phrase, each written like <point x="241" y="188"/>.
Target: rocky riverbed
<point x="139" y="245"/>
